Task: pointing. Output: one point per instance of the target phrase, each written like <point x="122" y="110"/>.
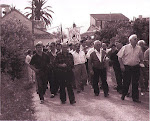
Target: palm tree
<point x="40" y="12"/>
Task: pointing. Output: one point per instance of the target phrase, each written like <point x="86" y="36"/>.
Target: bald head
<point x="133" y="40"/>
<point x="132" y="37"/>
<point x="97" y="41"/>
<point x="141" y="43"/>
<point x="97" y="45"/>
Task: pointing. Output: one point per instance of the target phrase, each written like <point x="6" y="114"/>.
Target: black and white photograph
<point x="74" y="60"/>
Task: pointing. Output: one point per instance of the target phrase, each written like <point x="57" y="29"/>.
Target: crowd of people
<point x="73" y="66"/>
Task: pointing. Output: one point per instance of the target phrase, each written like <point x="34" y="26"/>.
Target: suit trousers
<point x="131" y="73"/>
<point x="53" y="81"/>
<point x="100" y="73"/>
<point x="118" y="75"/>
<point x="42" y="84"/>
<point x="65" y="80"/>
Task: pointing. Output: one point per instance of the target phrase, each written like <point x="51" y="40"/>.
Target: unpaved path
<point x="92" y="108"/>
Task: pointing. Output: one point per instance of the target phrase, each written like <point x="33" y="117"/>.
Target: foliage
<point x="40" y="12"/>
<point x="141" y="28"/>
<point x="16" y="98"/>
<point x="118" y="31"/>
<point x="15" y="40"/>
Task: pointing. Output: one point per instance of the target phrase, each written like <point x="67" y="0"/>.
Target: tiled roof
<point x="108" y="17"/>
<point x="46" y="34"/>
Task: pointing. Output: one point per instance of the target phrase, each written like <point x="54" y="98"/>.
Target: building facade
<point x="99" y="20"/>
<point x="40" y="32"/>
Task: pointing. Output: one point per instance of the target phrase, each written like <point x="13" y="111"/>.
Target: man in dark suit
<point x="51" y="77"/>
<point x="64" y="64"/>
<point x="97" y="68"/>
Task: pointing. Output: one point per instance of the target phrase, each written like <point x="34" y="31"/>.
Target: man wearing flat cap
<point x="39" y="63"/>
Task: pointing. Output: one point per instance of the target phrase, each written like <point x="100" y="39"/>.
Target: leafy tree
<point x="141" y="28"/>
<point x="15" y="40"/>
<point x="41" y="12"/>
<point x="118" y="31"/>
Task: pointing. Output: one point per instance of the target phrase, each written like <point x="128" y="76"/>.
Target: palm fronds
<point x="40" y="12"/>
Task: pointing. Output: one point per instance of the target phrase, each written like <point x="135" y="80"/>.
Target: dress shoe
<point x="96" y="94"/>
<point x="122" y="97"/>
<point x="52" y="96"/>
<point x="42" y="101"/>
<point x="72" y="102"/>
<point x="136" y="100"/>
<point x="106" y="94"/>
<point x="63" y="102"/>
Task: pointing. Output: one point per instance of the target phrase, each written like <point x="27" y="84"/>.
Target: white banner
<point x="74" y="35"/>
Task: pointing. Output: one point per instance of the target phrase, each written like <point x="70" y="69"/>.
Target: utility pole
<point x="33" y="23"/>
<point x="61" y="33"/>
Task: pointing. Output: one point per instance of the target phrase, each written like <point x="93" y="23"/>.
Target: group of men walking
<point x="72" y="66"/>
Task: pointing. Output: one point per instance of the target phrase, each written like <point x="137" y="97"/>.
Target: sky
<point x="67" y="12"/>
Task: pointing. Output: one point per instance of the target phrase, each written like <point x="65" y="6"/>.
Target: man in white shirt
<point x="80" y="72"/>
<point x="71" y="48"/>
<point x="130" y="56"/>
<point x="83" y="45"/>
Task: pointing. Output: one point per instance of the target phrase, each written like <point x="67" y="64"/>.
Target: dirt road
<point x="92" y="108"/>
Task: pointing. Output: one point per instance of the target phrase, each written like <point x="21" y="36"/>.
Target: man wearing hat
<point x="39" y="63"/>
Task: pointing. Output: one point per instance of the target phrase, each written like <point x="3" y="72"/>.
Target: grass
<point x="16" y="98"/>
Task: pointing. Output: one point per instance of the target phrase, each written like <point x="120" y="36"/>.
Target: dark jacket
<point x="94" y="61"/>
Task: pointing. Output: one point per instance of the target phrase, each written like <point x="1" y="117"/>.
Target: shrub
<point x="118" y="31"/>
<point x="141" y="28"/>
<point x="16" y="98"/>
<point x="15" y="40"/>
